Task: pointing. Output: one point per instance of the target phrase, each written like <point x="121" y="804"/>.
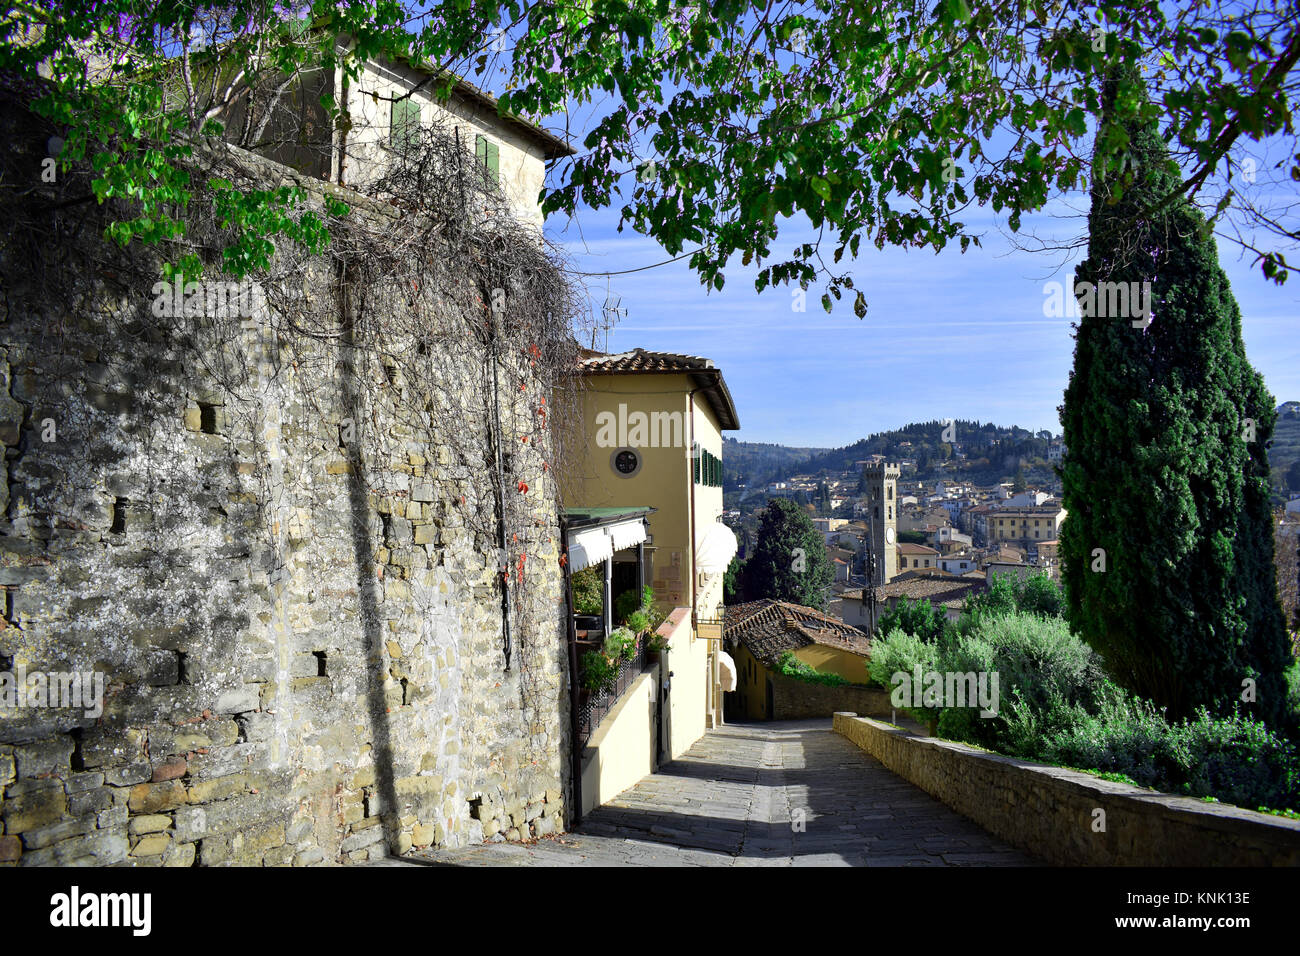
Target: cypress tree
<point x="1167" y="548"/>
<point x="789" y="562"/>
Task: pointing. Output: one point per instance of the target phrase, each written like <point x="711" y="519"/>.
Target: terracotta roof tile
<point x="769" y="628"/>
<point x="640" y="361"/>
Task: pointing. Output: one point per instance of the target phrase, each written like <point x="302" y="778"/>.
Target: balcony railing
<point x="593" y="710"/>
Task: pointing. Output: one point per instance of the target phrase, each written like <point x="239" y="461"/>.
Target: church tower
<point x="882" y="519"/>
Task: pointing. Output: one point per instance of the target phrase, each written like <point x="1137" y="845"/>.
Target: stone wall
<point x="279" y="550"/>
<point x="794" y="699"/>
<point x="1072" y="818"/>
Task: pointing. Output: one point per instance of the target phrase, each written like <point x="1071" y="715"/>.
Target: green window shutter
<point x="695" y="462"/>
<point x="405" y="126"/>
<point x="489" y="154"/>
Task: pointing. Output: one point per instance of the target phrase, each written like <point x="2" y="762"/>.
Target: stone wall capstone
<point x="1071" y="818"/>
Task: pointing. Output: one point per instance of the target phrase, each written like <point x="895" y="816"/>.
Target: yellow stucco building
<point x="648" y="433"/>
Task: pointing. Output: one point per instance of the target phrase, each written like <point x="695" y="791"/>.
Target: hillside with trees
<point x="992" y="453"/>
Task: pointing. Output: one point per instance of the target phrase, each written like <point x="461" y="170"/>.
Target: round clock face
<point x="625" y="462"/>
<point x="889" y="535"/>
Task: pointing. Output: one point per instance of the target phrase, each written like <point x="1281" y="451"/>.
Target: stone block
<point x="11" y="849"/>
<point x="151" y="845"/>
<point x="113" y="817"/>
<point x="365" y="838"/>
<point x="90" y="801"/>
<point x="43" y="757"/>
<point x="154" y="797"/>
<point x="100" y="848"/>
<point x="63" y="830"/>
<point x="34" y="809"/>
<point x="137" y="771"/>
<point x="149" y="823"/>
<point x="83" y="781"/>
<point x="240" y="700"/>
<point x="179" y="854"/>
<point x="309" y="856"/>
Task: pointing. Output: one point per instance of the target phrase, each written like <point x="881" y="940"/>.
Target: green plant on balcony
<point x="625" y="605"/>
<point x="589" y="591"/>
<point x="599" y="672"/>
<point x="622" y="644"/>
<point x="655" y="643"/>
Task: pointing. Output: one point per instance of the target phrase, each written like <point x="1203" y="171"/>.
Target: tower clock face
<point x="889" y="535"/>
<point x="626" y="462"/>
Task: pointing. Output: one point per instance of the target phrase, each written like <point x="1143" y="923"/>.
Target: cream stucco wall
<point x="522" y="164"/>
<point x="665" y="482"/>
<point x="622" y="750"/>
<point x="832" y="660"/>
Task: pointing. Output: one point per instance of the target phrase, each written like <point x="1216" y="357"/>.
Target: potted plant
<point x="655" y="644"/>
<point x="622" y="644"/>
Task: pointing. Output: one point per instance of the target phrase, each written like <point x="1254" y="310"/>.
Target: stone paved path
<point x="736" y="799"/>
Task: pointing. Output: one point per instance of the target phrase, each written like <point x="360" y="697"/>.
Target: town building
<point x="760" y="632"/>
<point x="651" y="437"/>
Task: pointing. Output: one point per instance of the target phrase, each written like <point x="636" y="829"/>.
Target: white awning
<point x="588" y="547"/>
<point x="726" y="671"/>
<point x="627" y="534"/>
<point x="594" y="545"/>
<point x="715" y="548"/>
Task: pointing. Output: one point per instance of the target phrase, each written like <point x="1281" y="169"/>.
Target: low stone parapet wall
<point x="1071" y="818"/>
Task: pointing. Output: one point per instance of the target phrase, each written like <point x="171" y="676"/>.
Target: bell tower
<point x="882" y="518"/>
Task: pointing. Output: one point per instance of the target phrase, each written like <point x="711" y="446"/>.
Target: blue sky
<point x="952" y="335"/>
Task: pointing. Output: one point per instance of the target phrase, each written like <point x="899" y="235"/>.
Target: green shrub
<point x="900" y="651"/>
<point x="1235" y="759"/>
<point x="1037" y="594"/>
<point x="791" y="666"/>
<point x="589" y="591"/>
<point x="638" y="622"/>
<point x="1042" y="670"/>
<point x="914" y="617"/>
<point x="1058" y="706"/>
<point x="599" y="672"/>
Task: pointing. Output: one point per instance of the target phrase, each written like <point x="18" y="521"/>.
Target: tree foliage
<point x="789" y="562"/>
<point x="879" y="122"/>
<point x="1167" y="550"/>
<point x="918" y="618"/>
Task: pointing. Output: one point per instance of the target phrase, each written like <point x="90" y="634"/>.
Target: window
<point x="707" y="468"/>
<point x="489" y="154"/>
<point x="404" y="126"/>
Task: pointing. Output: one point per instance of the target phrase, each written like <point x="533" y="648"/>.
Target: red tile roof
<point x="640" y="362"/>
<point x="769" y="628"/>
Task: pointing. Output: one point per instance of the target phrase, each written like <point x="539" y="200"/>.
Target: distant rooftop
<point x="769" y="628"/>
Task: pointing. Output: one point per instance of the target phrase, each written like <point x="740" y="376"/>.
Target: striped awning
<point x="590" y="546"/>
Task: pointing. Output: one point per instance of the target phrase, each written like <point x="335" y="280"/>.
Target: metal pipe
<point x="571" y="629"/>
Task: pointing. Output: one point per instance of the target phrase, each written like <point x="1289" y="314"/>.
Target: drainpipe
<point x="571" y="631"/>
